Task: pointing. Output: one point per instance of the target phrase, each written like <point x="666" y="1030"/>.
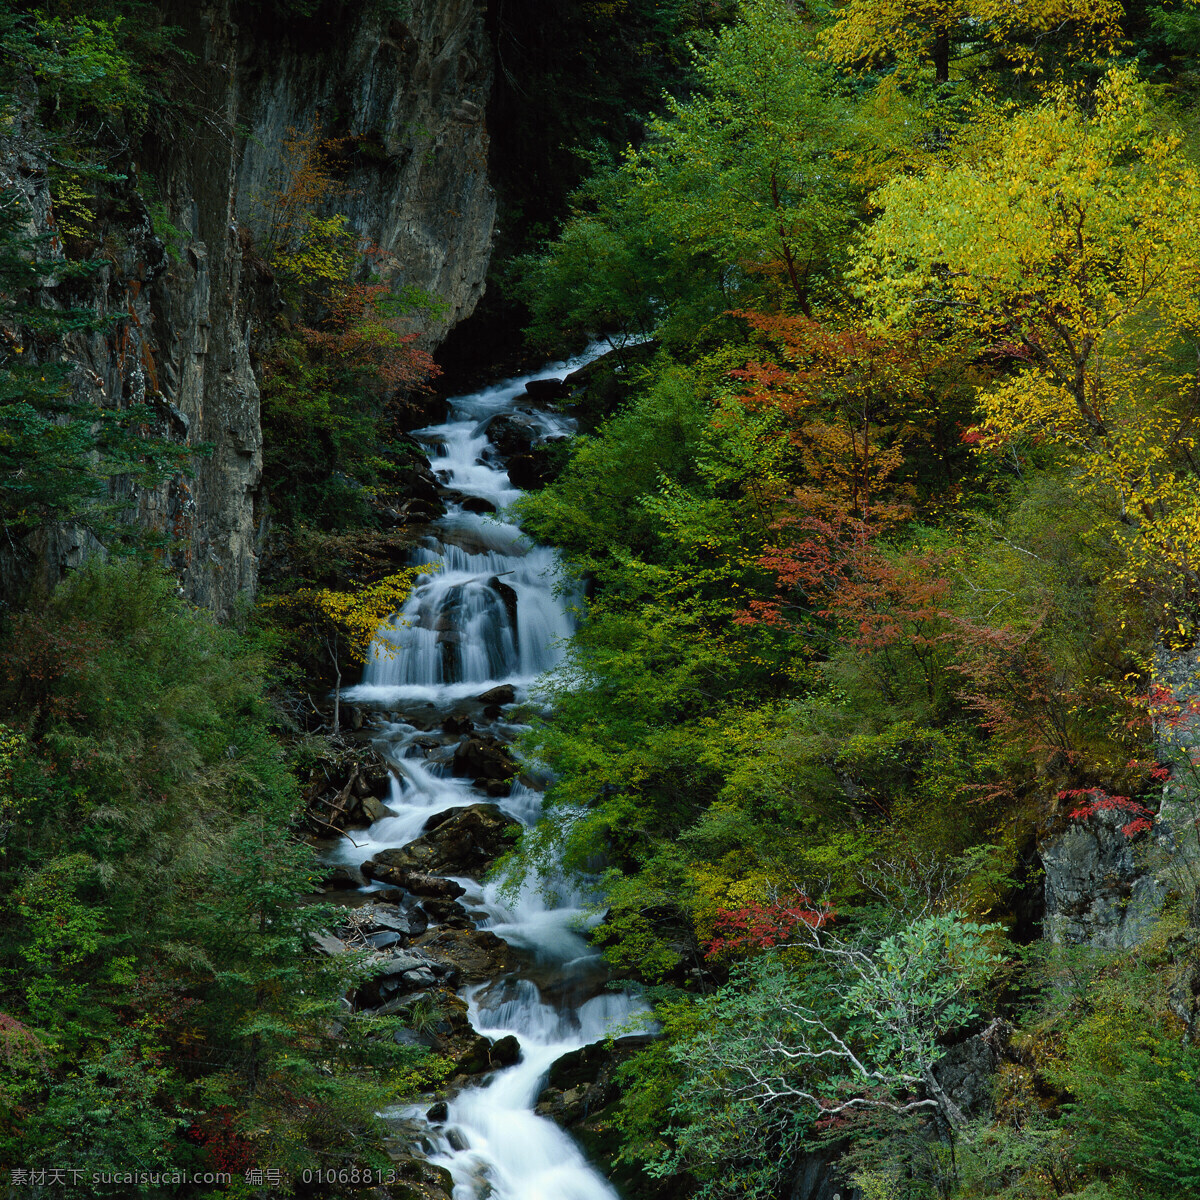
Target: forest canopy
<point x="890" y="528"/>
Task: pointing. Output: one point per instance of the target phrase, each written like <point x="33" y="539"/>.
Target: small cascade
<point x="492" y="613"/>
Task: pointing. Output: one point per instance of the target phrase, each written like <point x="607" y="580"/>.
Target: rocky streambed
<point x="505" y="986"/>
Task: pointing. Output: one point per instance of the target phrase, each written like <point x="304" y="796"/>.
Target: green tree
<point x="860" y="1026"/>
<point x="737" y="193"/>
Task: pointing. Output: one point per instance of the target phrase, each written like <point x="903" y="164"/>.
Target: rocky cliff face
<point x="410" y="94"/>
<point x="408" y="97"/>
<point x="1106" y="888"/>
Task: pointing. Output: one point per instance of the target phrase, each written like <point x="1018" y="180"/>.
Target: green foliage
<point x="877" y="564"/>
<point x="344" y="353"/>
<point x="61" y="458"/>
<point x="782" y="1049"/>
<point x="153" y="941"/>
<point x="737" y="196"/>
<point x="1135" y="1107"/>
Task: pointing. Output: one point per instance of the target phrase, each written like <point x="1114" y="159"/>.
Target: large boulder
<point x="419" y="882"/>
<point x="483" y="758"/>
<point x="476" y="955"/>
<point x="532" y="469"/>
<point x="586" y="1105"/>
<point x="410" y="922"/>
<point x="461" y="841"/>
<point x="967" y="1070"/>
<point x="546" y="391"/>
<point x="1097" y="892"/>
<point x="406" y="971"/>
<point x="512" y="433"/>
<point x="584" y="1081"/>
<point x="415" y="1178"/>
<point x="448" y="914"/>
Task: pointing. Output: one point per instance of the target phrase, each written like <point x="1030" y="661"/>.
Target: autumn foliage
<point x="764" y="925"/>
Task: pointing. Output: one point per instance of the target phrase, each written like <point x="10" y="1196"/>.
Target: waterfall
<point x="492" y="613"/>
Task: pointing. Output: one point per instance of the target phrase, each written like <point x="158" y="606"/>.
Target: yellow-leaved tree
<point x="915" y="33"/>
<point x="1067" y="241"/>
<point x="347" y="621"/>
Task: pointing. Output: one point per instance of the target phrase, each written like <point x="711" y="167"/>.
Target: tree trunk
<point x="954" y="1115"/>
<point x="941" y="55"/>
<point x="337" y="687"/>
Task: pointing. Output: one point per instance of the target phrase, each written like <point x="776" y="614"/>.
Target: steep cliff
<point x="181" y="292"/>
<point x="407" y="99"/>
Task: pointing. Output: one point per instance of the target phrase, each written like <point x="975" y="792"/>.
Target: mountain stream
<point x="489" y="616"/>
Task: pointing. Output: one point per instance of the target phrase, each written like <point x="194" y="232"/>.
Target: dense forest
<point x="876" y="745"/>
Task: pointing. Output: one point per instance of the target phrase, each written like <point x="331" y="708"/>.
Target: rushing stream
<point x="491" y="616"/>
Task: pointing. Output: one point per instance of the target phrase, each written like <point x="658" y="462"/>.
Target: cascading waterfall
<point x="491" y="615"/>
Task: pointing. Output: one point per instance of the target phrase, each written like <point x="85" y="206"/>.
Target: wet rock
<point x="436" y="1114"/>
<point x="457" y="1140"/>
<point x="546" y="391"/>
<point x="374" y="809"/>
<point x="477" y="504"/>
<point x="528" y="472"/>
<point x="477" y="954"/>
<point x="533" y="470"/>
<point x="816" y="1176"/>
<point x="475" y="1058"/>
<point x="422" y="977"/>
<point x="483" y="758"/>
<point x="457" y="725"/>
<point x="512" y="433"/>
<point x="406" y="971"/>
<point x="411" y="922"/>
<point x="504" y="694"/>
<point x="506" y="1051"/>
<point x="420" y="883"/>
<point x="417" y="1179"/>
<point x="509" y="598"/>
<point x="447" y="913"/>
<point x="600" y="387"/>
<point x="341" y="878"/>
<point x="461" y="841"/>
<point x="583" y="1082"/>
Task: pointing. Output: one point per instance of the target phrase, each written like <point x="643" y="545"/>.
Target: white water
<point x="456" y="638"/>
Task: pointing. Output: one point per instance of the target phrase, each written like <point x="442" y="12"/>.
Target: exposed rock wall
<point x="412" y="94"/>
<point x="409" y="98"/>
<point x="1098" y="889"/>
<point x="176" y="335"/>
<point x="1105" y="888"/>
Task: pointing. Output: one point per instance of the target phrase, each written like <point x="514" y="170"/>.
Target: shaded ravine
<point x="490" y="618"/>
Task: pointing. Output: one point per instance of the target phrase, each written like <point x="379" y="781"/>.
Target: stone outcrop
<point x="476" y="954"/>
<point x="966" y="1070"/>
<point x="460" y="841"/>
<point x="176" y="337"/>
<point x="186" y="296"/>
<point x="1105" y="887"/>
<point x="1098" y="891"/>
<point x="408" y="96"/>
